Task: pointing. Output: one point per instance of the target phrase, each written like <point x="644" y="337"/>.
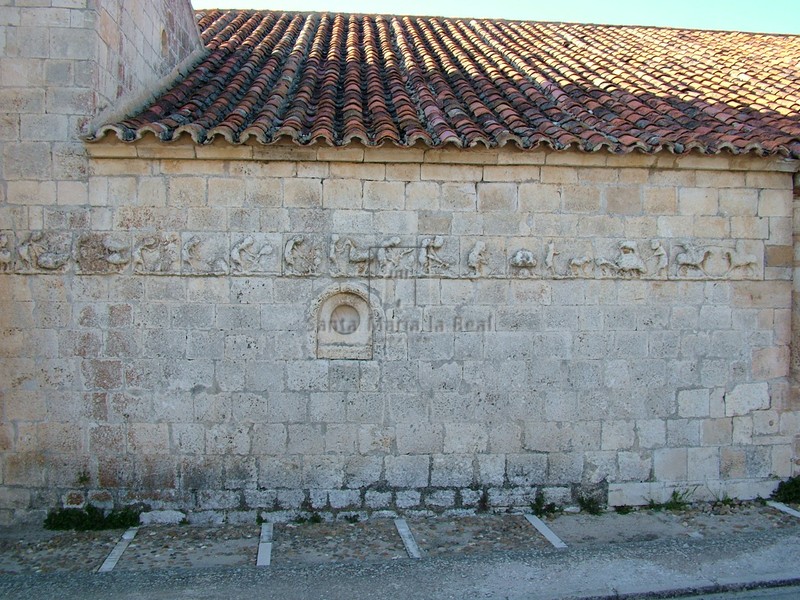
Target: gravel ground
<point x="34" y="550"/>
<point x="309" y="543"/>
<point x="699" y="521"/>
<point x="192" y="547"/>
<point x="41" y="551"/>
<point x="438" y="536"/>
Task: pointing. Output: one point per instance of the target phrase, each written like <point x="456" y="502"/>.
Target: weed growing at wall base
<point x="91" y="518"/>
<point x="788" y="491"/>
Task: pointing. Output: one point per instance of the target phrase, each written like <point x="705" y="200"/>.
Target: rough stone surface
<point x="521" y="321"/>
<point x="173" y="517"/>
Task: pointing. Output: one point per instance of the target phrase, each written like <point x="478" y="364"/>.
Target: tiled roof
<point x="342" y="79"/>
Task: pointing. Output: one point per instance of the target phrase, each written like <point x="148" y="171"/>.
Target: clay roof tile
<point x="343" y="79"/>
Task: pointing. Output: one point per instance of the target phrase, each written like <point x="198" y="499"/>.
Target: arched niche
<point x="344" y="321"/>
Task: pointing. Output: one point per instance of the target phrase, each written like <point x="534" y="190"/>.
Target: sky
<point x="767" y="16"/>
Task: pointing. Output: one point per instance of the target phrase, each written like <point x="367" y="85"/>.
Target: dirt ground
<point x="35" y="550"/>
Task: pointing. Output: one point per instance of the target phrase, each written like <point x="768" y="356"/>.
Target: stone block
<point x="770" y="363"/>
<point x="402" y="172"/>
<point x="451" y="173"/>
<point x="27" y="160"/>
<point x="375" y="439"/>
<point x="344" y="499"/>
<point x="465" y="438"/>
<point x="207" y="517"/>
<point x="636" y="494"/>
<point x="580" y="198"/>
<point x="441" y="498"/>
<point x="260" y="498"/>
<point x="526" y="469"/>
<point x="363" y="471"/>
<point x="460" y="197"/>
<point x="15" y="498"/>
<point x="347" y="170"/>
<point x="218" y="499"/>
<point x="162" y="517"/>
<point x="505" y="438"/>
<point x="698" y="201"/>
<point x="504" y="497"/>
<point x="703" y="464"/>
<point x="683" y="432"/>
<point x="342" y="193"/>
<point x="302" y="193"/>
<point x="423" y="195"/>
<point x="564" y="467"/>
<point x="747" y="397"/>
<point x="407" y="499"/>
<point x="307" y="375"/>
<point x="742" y="430"/>
<point x="325" y="472"/>
<point x="305" y="438"/>
<point x="693" y="403"/>
<point x="341" y="438"/>
<point x="635" y="466"/>
<point x="491" y="470"/>
<point x="618" y="435"/>
<point x="670" y="464"/>
<point x="660" y="201"/>
<point x="452" y="471"/>
<point x="407" y="471"/>
<point x="419" y="437"/>
<point x="562" y="436"/>
<point x="623" y="200"/>
<point x="280" y="472"/>
<point x="185" y="192"/>
<point x="375" y="499"/>
<point x="384" y="195"/>
<point x="290" y="499"/>
<point x="497" y="197"/>
<point x="268" y="439"/>
<point x="775" y="203"/>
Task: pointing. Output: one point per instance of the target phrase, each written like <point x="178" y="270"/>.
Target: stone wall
<point x="540" y="320"/>
<point x="61" y="62"/>
<point x="139" y="43"/>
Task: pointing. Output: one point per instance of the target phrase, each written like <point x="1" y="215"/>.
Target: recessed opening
<point x="345" y="319"/>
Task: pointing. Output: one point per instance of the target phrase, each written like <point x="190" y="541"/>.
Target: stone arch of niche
<point x="345" y="321"/>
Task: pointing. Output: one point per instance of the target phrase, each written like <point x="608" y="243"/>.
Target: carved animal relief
<point x="366" y="256"/>
<point x="156" y="254"/>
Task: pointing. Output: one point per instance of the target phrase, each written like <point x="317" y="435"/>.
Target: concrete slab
<point x="113" y="558"/>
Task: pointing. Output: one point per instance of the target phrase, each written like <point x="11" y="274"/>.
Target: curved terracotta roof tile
<point x="341" y="79"/>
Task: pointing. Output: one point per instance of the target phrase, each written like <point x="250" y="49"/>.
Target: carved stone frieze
<point x="204" y="254"/>
<point x="477" y="259"/>
<point x="6" y="252"/>
<point x="157" y="253"/>
<point x="713" y="261"/>
<point x="523" y="263"/>
<point x="346" y="257"/>
<point x="102" y="253"/>
<point x="394" y="258"/>
<point x="301" y="255"/>
<point x="304" y="254"/>
<point x="434" y="258"/>
<point x="48" y="251"/>
<point x="255" y="253"/>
